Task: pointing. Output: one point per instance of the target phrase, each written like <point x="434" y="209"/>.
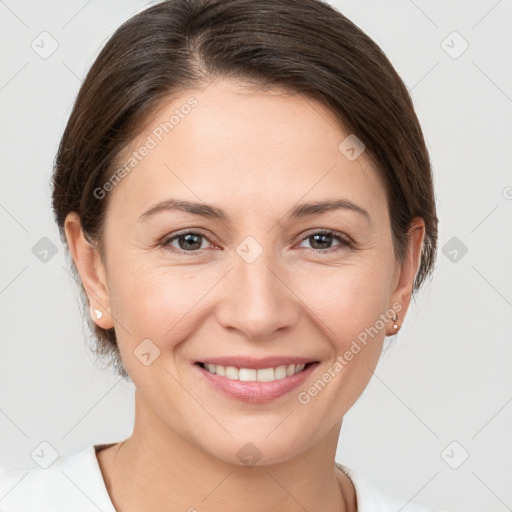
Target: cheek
<point x="348" y="313"/>
<point x="346" y="300"/>
<point x="156" y="301"/>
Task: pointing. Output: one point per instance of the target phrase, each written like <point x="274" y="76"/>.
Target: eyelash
<point x="344" y="242"/>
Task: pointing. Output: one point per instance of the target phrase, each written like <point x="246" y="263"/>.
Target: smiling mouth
<point x="270" y="374"/>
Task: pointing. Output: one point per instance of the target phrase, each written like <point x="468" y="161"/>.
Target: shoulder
<point x="71" y="482"/>
<point x="372" y="498"/>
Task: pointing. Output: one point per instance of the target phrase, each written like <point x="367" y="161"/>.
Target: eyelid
<point x="317" y="231"/>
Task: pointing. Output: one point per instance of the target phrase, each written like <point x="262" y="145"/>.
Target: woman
<point x="246" y="194"/>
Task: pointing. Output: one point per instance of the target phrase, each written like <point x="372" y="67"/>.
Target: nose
<point x="258" y="299"/>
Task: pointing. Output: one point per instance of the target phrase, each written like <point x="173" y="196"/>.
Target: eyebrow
<point x="212" y="212"/>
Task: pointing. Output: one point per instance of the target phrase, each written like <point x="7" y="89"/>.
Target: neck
<point x="156" y="469"/>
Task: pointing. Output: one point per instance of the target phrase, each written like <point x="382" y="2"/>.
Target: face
<point x="248" y="280"/>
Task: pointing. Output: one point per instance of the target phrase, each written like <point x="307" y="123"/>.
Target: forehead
<point x="233" y="144"/>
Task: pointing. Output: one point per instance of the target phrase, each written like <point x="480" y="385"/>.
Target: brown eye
<point x="322" y="241"/>
<point x="189" y="241"/>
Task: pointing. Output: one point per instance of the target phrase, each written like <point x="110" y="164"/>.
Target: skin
<point x="255" y="154"/>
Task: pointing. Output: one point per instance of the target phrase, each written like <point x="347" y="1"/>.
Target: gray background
<point x="443" y="379"/>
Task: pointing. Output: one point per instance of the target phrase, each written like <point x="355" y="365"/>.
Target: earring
<point x="395" y="324"/>
<point x="98" y="313"/>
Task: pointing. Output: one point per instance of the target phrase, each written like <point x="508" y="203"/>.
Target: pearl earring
<point x="395" y="324"/>
<point x="98" y="313"/>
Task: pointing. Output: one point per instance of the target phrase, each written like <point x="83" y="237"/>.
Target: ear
<point x="91" y="269"/>
<point x="403" y="280"/>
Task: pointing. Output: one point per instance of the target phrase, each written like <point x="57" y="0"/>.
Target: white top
<point x="74" y="483"/>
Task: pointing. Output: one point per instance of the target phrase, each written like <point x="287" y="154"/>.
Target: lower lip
<point x="256" y="392"/>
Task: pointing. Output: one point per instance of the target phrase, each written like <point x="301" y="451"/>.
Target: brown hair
<point x="305" y="46"/>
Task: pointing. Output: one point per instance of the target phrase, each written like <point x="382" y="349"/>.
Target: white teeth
<point x="252" y="375"/>
<point x="247" y="375"/>
<point x="211" y="368"/>
<point x="280" y="372"/>
<point x="231" y="372"/>
<point x="266" y="375"/>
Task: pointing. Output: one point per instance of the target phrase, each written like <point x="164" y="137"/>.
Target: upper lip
<point x="257" y="363"/>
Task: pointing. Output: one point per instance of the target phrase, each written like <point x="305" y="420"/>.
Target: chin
<point x="260" y="448"/>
